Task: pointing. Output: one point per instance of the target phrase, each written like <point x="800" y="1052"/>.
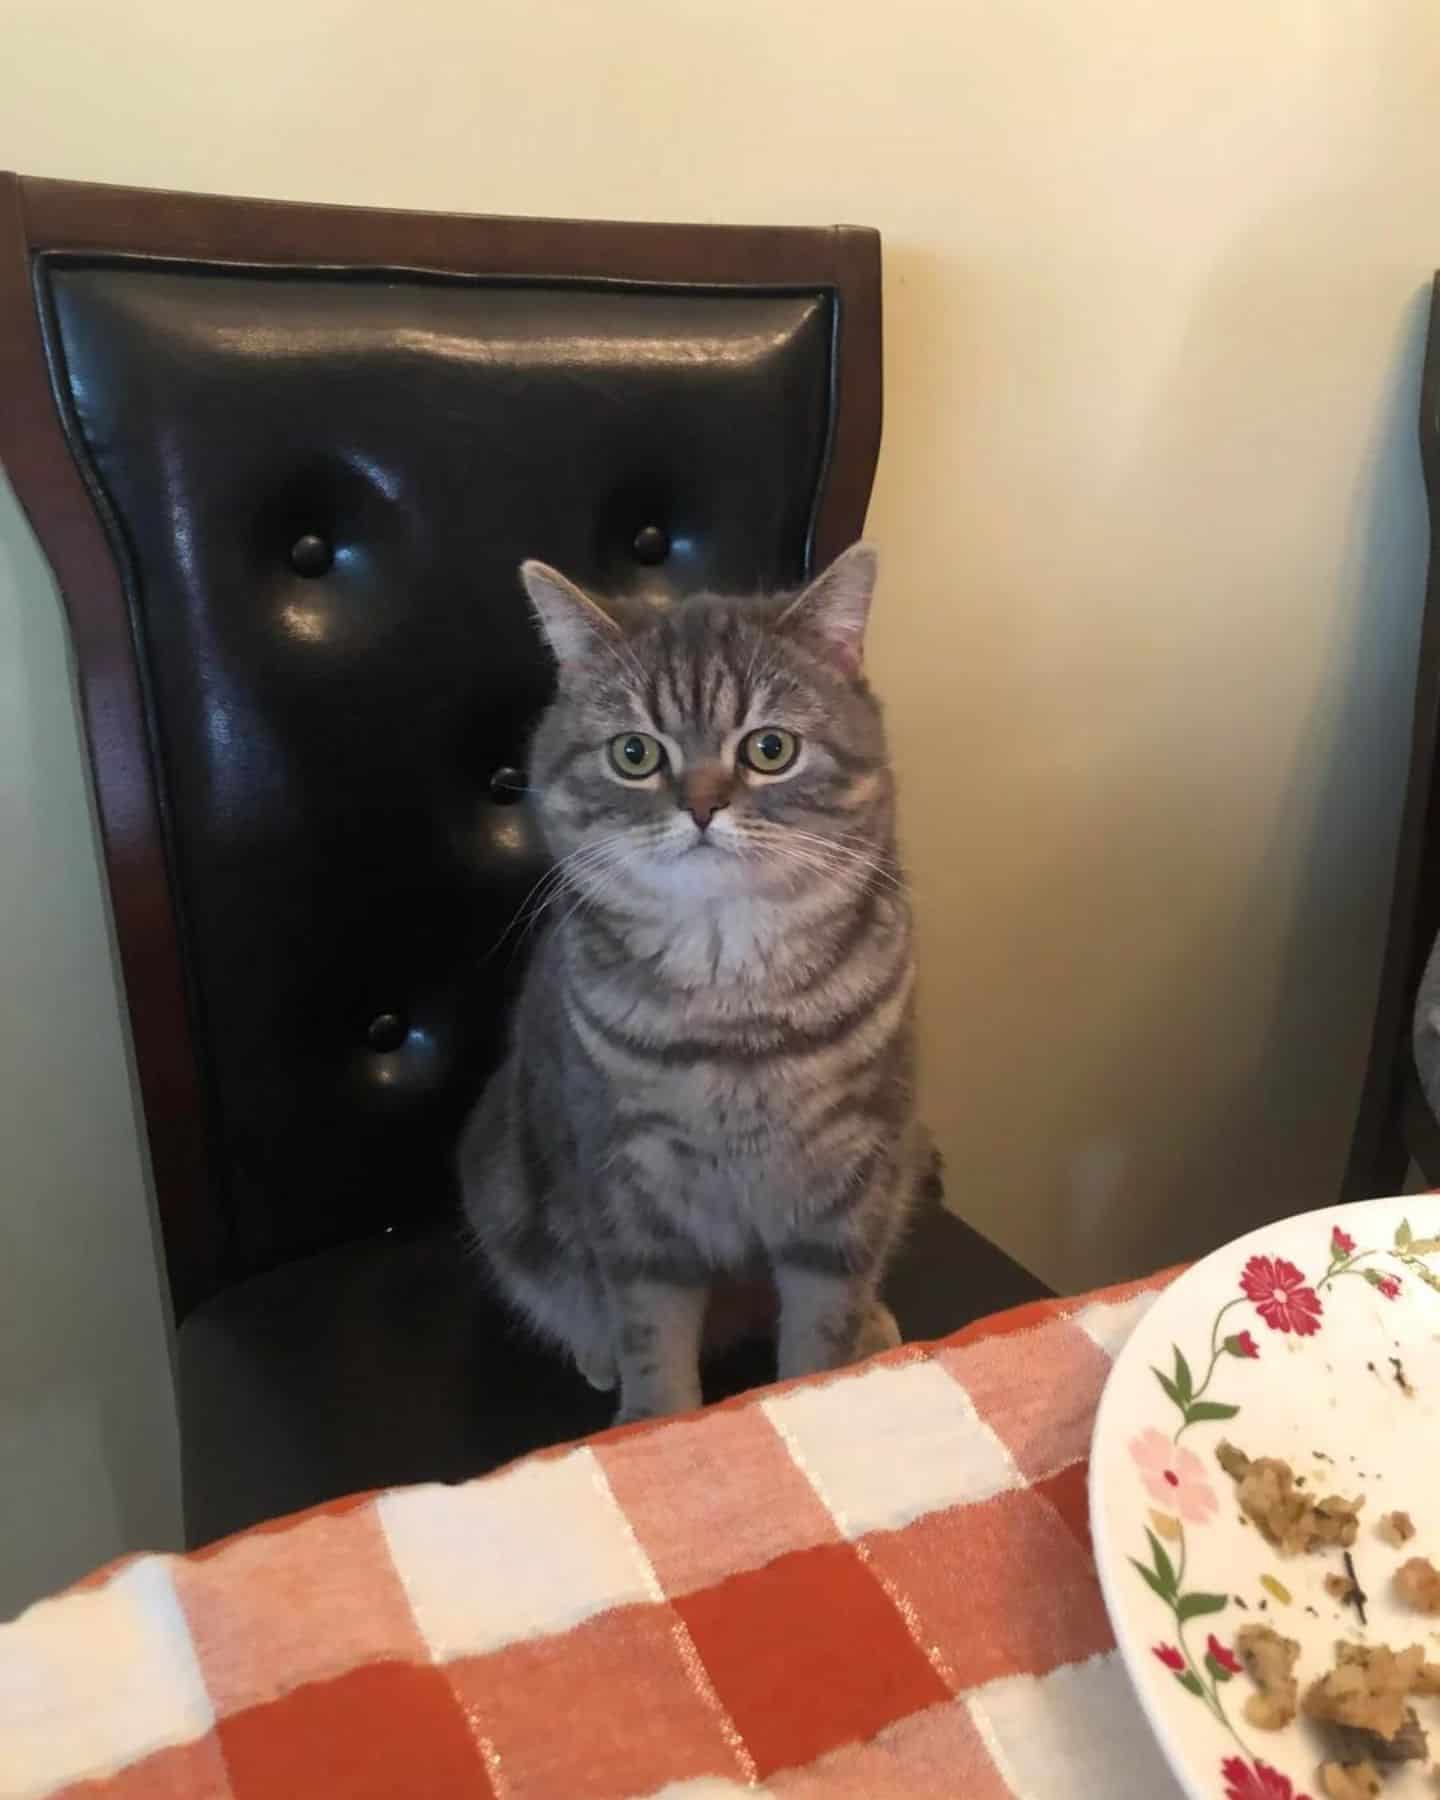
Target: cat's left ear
<point x="571" y="619"/>
<point x="832" y="612"/>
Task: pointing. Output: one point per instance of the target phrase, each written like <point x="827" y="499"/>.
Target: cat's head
<point x="722" y="747"/>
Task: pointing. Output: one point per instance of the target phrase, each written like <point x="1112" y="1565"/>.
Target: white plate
<point x="1281" y="1342"/>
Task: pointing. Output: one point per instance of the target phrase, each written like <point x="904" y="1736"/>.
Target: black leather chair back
<point x="316" y="471"/>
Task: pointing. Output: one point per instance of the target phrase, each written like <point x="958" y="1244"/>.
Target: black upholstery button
<point x="507" y="785"/>
<point x="652" y="545"/>
<point x="386" y="1031"/>
<point x="311" y="555"/>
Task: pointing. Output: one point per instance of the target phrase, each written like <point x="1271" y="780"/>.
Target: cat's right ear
<point x="569" y="618"/>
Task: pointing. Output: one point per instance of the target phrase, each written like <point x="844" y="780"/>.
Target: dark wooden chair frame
<point x="1395" y="1124"/>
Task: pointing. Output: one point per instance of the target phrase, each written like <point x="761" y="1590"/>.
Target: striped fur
<point x="710" y="1070"/>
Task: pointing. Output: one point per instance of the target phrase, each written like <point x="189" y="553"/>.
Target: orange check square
<point x="998" y="1588"/>
<point x="1037" y="1391"/>
<point x="387" y="1732"/>
<point x="711" y="1496"/>
<point x="1069" y="1493"/>
<point x="617" y="1706"/>
<point x="270" y="1612"/>
<point x="180" y="1772"/>
<point x="808" y="1653"/>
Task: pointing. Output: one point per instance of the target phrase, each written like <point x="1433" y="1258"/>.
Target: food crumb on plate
<point x="1363" y="1700"/>
<point x="1396" y="1528"/>
<point x="1349" y="1781"/>
<point x="1269" y="1661"/>
<point x="1417" y="1582"/>
<point x="1270" y="1495"/>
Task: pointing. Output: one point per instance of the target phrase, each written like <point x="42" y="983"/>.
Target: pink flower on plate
<point x="1341" y="1243"/>
<point x="1255" y="1781"/>
<point x="1173" y="1476"/>
<point x="1171" y="1658"/>
<point x="1389" y="1286"/>
<point x="1242" y="1344"/>
<point x="1281" y="1296"/>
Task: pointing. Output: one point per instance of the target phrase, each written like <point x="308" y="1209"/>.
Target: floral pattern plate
<point x="1318" y="1340"/>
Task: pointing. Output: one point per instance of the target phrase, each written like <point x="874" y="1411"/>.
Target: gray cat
<point x="710" y="1069"/>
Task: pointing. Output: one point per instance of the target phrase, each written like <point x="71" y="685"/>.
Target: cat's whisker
<point x="566" y="883"/>
<point x="778" y="841"/>
<point x="836" y="874"/>
<point x="547" y="889"/>
<point x="519" y="915"/>
<point x="798" y="857"/>
<point x="841" y="850"/>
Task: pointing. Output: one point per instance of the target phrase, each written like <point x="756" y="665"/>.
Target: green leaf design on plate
<point x="1169" y="1386"/>
<point x="1195" y="1606"/>
<point x="1164" y="1568"/>
<point x="1191" y="1684"/>
<point x="1184" y="1381"/>
<point x="1152" y="1580"/>
<point x="1404" y="1237"/>
<point x="1208" y="1409"/>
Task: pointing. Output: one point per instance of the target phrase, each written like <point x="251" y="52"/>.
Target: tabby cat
<point x="710" y="1068"/>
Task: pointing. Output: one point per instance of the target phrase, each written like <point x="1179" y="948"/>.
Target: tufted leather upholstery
<point x="285" y="462"/>
<point x="324" y="486"/>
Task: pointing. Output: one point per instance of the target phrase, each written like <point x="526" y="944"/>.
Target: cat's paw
<point x="635" y="1415"/>
<point x="599" y="1370"/>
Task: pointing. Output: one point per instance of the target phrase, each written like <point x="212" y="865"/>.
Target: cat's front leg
<point x="659" y="1324"/>
<point x="829" y="1258"/>
<point x="824" y="1309"/>
<point x="828" y="1275"/>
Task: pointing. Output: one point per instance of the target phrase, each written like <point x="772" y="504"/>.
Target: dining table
<point x="871" y="1582"/>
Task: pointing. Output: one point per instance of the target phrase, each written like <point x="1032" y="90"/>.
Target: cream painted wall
<point x="1149" y="504"/>
<point x="87" y="1428"/>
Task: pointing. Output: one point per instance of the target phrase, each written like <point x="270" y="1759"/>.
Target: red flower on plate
<point x="1389" y="1286"/>
<point x="1227" y="1659"/>
<point x="1256" y="1781"/>
<point x="1171" y="1657"/>
<point x="1281" y="1296"/>
<point x="1242" y="1344"/>
<point x="1341" y="1243"/>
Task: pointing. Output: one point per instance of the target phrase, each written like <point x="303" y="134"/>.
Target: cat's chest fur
<point x="693" y="1012"/>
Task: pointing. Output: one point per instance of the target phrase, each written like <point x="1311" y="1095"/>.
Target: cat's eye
<point x="769" y="751"/>
<point x="635" y="754"/>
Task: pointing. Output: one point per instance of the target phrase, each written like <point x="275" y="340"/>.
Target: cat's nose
<point x="703" y="792"/>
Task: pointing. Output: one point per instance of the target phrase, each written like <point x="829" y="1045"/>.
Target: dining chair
<point x="284" y="461"/>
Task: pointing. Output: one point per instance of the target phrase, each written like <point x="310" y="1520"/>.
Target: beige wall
<point x="1149" y="505"/>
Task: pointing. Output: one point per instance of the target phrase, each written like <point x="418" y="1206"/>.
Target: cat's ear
<point x="832" y="612"/>
<point x="571" y="620"/>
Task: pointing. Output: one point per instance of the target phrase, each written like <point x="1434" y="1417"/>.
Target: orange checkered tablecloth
<point x="875" y="1583"/>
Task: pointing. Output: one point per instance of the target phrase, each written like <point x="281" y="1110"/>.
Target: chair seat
<point x="386" y="1361"/>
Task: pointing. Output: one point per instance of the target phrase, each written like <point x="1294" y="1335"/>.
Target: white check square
<point x="1110" y="1323"/>
<point x="882" y="1447"/>
<point x="517" y="1555"/>
<point x="92" y="1682"/>
<point x="1077" y="1730"/>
